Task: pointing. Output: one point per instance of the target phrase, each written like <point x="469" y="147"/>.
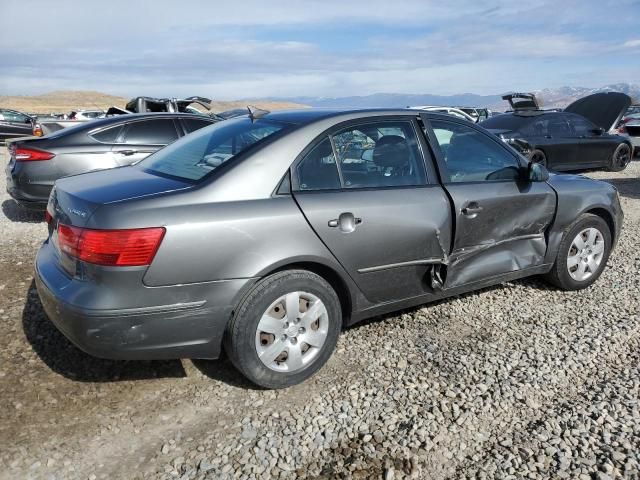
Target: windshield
<point x="201" y="152"/>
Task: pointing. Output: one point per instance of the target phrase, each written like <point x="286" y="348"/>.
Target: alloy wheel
<point x="292" y="331"/>
<point x="623" y="156"/>
<point x="585" y="254"/>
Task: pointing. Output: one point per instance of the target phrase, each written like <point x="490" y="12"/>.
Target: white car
<point x="630" y="128"/>
<point x="87" y="114"/>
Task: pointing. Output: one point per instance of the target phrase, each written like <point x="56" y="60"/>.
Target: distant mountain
<point x="552" y="98"/>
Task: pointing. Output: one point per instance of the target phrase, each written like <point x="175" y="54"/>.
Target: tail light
<point x="122" y="248"/>
<point x="23" y="154"/>
<point x="37" y="130"/>
<point x="622" y="129"/>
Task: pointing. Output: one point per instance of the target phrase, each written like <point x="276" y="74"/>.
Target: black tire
<point x="620" y="158"/>
<point x="538" y="156"/>
<point x="559" y="274"/>
<point x="240" y="338"/>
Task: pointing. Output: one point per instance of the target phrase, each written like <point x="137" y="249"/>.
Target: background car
<point x="629" y="127"/>
<point x="449" y="110"/>
<point x="36" y="163"/>
<point x="87" y="114"/>
<point x="14" y="124"/>
<point x="268" y="233"/>
<point x="576" y="138"/>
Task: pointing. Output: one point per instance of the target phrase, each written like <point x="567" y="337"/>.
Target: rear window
<point x="151" y="132"/>
<point x="195" y="155"/>
<point x="506" y="122"/>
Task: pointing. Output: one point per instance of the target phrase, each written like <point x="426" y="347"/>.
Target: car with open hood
<point x="629" y="127"/>
<point x="579" y="137"/>
<point x="267" y="234"/>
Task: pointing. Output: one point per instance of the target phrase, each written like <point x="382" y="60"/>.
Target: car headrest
<point x="391" y="151"/>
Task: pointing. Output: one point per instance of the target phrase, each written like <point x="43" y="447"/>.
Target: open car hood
<point x="605" y="109"/>
<point x="523" y="101"/>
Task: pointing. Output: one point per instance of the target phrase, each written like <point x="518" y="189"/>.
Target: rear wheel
<point x="285" y="329"/>
<point x="620" y="158"/>
<point x="583" y="253"/>
<point x="538" y="156"/>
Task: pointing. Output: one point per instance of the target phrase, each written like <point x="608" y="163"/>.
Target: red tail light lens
<point x="123" y="248"/>
<point x="32" y="155"/>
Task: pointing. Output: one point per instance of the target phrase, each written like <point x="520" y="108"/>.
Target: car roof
<point x="101" y="122"/>
<point x="309" y="115"/>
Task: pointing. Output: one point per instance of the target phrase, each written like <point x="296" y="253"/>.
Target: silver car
<point x="266" y="235"/>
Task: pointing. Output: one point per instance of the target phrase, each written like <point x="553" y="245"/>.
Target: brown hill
<point x="65" y="101"/>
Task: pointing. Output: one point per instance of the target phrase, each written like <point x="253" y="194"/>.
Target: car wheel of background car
<point x="538" y="156"/>
<point x="285" y="329"/>
<point x="620" y="158"/>
<point x="583" y="253"/>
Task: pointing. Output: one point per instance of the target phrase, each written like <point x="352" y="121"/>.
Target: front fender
<point x="576" y="195"/>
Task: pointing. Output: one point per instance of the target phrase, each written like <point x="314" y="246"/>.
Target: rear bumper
<point x="191" y="328"/>
<point x="30" y="195"/>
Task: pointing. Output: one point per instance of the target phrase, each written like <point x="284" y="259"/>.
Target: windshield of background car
<point x="199" y="153"/>
<point x="506" y="122"/>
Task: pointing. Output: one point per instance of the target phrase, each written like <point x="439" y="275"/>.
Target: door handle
<point x="127" y="153"/>
<point x="471" y="210"/>
<point x="346" y="222"/>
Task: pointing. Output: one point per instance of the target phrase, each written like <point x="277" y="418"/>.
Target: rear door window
<point x="108" y="135"/>
<point x="193" y="124"/>
<point x="318" y="170"/>
<point x="558" y="127"/>
<point x="161" y="131"/>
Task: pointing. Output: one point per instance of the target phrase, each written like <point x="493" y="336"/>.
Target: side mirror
<point x="537" y="172"/>
<point x="597" y="131"/>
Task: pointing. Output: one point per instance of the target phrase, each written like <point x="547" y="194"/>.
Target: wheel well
<point x="607" y="217"/>
<point x="331" y="276"/>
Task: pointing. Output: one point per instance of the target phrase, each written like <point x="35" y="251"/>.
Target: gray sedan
<point x="266" y="235"/>
<point x="36" y="163"/>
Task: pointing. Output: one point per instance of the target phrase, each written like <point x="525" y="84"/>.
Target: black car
<point x="14" y="124"/>
<point x="36" y="163"/>
<point x="576" y="138"/>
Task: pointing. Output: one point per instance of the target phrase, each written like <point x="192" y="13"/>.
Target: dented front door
<point x="500" y="216"/>
<point x="500" y="228"/>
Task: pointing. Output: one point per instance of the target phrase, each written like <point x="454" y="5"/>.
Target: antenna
<point x="255" y="112"/>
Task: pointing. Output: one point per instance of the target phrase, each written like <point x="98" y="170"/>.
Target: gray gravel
<point x="517" y="381"/>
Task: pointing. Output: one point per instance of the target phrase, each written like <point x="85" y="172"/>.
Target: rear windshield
<point x="199" y="153"/>
<point x="506" y="121"/>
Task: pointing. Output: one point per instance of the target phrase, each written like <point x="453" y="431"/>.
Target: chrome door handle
<point x="471" y="210"/>
<point x="346" y="222"/>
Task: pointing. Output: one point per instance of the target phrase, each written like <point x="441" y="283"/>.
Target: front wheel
<point x="583" y="253"/>
<point x="620" y="158"/>
<point x="285" y="330"/>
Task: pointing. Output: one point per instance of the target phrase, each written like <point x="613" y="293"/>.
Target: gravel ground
<point x="516" y="381"/>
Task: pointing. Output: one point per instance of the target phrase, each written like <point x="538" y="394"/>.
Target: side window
<point x="108" y="135"/>
<point x="151" y="132"/>
<point x="193" y="124"/>
<point x="581" y="126"/>
<point x="558" y="127"/>
<point x="537" y="128"/>
<point x="318" y="169"/>
<point x="379" y="154"/>
<point x="14" y="117"/>
<point x="471" y="156"/>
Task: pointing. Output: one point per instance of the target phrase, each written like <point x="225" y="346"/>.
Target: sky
<point x="286" y="48"/>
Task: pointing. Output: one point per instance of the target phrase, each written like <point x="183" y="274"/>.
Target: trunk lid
<point x="75" y="198"/>
<point x="523" y="101"/>
<point x="605" y="109"/>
